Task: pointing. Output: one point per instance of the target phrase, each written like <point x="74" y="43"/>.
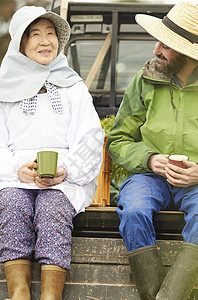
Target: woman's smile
<point x="45" y="52"/>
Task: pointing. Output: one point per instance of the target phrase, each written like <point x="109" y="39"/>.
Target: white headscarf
<point x="21" y="77"/>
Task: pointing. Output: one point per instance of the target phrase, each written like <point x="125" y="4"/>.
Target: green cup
<point x="47" y="163"/>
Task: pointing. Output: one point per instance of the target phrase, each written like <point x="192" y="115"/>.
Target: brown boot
<point x="18" y="276"/>
<point x="52" y="282"/>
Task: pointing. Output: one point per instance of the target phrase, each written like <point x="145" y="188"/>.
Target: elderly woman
<point x="44" y="105"/>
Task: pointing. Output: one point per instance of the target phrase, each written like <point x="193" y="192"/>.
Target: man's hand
<point x="157" y="163"/>
<point x="47" y="182"/>
<point x="182" y="177"/>
<point x="26" y="172"/>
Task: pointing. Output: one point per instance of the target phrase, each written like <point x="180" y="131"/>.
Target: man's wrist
<point x="149" y="161"/>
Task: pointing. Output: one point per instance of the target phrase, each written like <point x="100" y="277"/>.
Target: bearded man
<point x="158" y="117"/>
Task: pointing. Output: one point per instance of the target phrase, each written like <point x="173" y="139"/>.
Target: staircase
<point x="99" y="268"/>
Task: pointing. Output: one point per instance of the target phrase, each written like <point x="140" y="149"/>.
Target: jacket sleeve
<point x="125" y="145"/>
<point x="8" y="171"/>
<point x="85" y="137"/>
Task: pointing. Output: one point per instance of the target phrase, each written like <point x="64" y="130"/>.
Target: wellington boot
<point x="147" y="270"/>
<point x="18" y="276"/>
<point x="52" y="282"/>
<point x="182" y="276"/>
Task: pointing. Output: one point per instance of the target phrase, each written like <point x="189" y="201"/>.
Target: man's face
<point x="168" y="61"/>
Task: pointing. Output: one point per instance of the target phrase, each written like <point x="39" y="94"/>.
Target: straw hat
<point x="24" y="16"/>
<point x="178" y="30"/>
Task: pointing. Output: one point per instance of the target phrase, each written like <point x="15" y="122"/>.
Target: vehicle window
<point x="81" y="55"/>
<point x="131" y="56"/>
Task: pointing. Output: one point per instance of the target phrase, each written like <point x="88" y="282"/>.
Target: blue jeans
<point x="143" y="195"/>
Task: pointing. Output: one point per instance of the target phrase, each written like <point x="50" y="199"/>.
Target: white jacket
<point x="76" y="135"/>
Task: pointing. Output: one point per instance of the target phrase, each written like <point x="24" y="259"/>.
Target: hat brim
<point x="162" y="33"/>
<point x="62" y="28"/>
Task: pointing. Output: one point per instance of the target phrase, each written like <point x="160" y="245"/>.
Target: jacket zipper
<point x="177" y="110"/>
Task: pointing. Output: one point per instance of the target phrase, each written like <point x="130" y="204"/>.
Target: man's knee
<point x="135" y="214"/>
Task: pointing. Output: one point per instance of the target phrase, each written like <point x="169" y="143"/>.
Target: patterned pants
<point x="36" y="223"/>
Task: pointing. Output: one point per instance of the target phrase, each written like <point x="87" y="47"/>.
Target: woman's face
<point x="42" y="44"/>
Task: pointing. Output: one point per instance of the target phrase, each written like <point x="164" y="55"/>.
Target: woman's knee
<point x="53" y="205"/>
<point x="17" y="200"/>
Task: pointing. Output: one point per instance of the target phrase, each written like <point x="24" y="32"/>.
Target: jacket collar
<point x="150" y="73"/>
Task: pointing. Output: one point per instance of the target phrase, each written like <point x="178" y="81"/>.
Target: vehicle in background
<point x="107" y="47"/>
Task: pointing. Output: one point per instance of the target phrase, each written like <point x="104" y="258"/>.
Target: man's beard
<point x="174" y="65"/>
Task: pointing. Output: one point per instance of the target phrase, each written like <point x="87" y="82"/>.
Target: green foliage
<point x="117" y="173"/>
<point x="107" y="123"/>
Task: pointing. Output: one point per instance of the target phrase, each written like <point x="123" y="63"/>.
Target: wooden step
<point x="99" y="270"/>
<point x="104" y="222"/>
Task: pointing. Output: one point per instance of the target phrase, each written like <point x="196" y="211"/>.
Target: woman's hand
<point x="182" y="177"/>
<point x="157" y="163"/>
<point x="26" y="172"/>
<point x="47" y="182"/>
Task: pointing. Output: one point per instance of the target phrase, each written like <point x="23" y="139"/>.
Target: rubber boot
<point x="182" y="276"/>
<point x="18" y="276"/>
<point x="147" y="270"/>
<point x="52" y="282"/>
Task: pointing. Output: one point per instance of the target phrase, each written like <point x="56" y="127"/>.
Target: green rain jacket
<point x="155" y="116"/>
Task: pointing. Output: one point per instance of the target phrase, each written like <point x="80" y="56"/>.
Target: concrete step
<point x="99" y="270"/>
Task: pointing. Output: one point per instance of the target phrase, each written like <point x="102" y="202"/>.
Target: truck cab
<point x="107" y="47"/>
